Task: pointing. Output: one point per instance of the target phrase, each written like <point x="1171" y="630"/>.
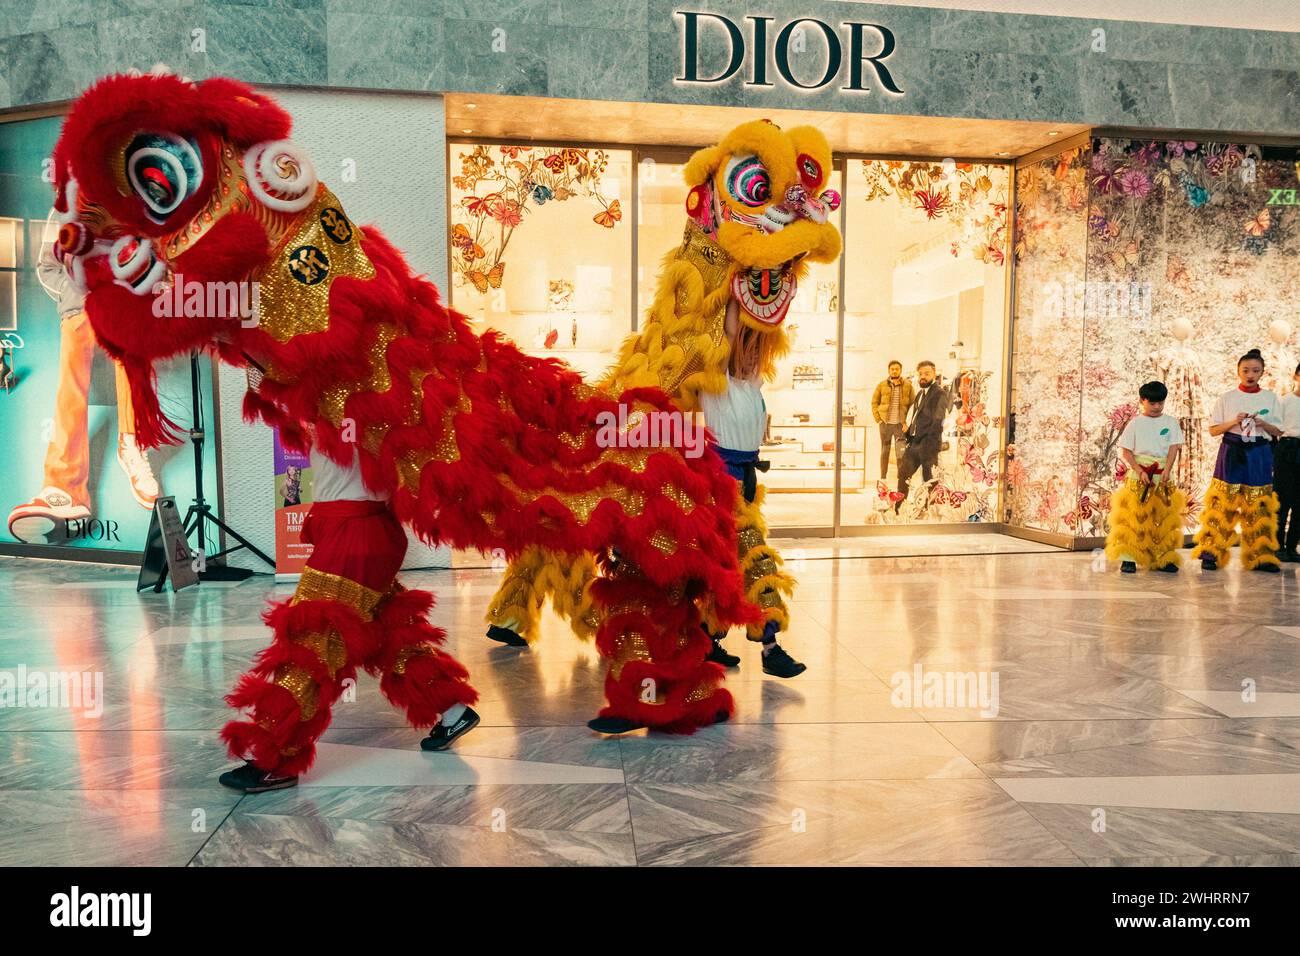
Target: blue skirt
<point x="1244" y="463"/>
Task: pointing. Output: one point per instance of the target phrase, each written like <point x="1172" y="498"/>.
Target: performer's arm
<point x="1170" y="460"/>
<point x="1222" y="427"/>
<point x="1133" y="467"/>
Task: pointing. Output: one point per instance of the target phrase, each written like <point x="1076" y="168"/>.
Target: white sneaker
<point x="36" y="520"/>
<point x="144" y="486"/>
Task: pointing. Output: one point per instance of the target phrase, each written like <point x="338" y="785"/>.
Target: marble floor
<point x="975" y="710"/>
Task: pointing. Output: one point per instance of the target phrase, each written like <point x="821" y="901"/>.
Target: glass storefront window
<point x="925" y="281"/>
<point x="540" y="248"/>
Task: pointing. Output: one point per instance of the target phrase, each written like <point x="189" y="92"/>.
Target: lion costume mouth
<point x="766" y="294"/>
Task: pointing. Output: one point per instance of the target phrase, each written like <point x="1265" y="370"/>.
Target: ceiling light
<point x="467" y="131"/>
<point x="1055" y="132"/>
<point x="474" y="106"/>
<point x="1004" y="153"/>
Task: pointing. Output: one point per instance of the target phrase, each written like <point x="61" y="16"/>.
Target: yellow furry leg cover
<point x="1167" y="529"/>
<point x="1218" y="521"/>
<point x="1258" y="528"/>
<point x="533" y="577"/>
<point x="1129" y="538"/>
<point x="765" y="582"/>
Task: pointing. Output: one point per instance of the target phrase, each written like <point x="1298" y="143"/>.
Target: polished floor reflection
<point x="994" y="709"/>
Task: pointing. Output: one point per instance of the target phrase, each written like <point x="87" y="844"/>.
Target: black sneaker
<point x="506" y="636"/>
<point x="1128" y="567"/>
<point x="441" y="736"/>
<point x="250" y="779"/>
<point x="1269" y="568"/>
<point x="719" y="655"/>
<point x="613" y="725"/>
<point x="780" y="664"/>
<point x="1290" y="557"/>
<point x="1169" y="568"/>
<point x="1209" y="563"/>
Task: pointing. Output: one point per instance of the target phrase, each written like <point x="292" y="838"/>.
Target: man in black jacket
<point x="924" y="431"/>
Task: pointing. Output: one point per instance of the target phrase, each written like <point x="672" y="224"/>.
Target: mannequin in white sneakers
<point x="65" y="496"/>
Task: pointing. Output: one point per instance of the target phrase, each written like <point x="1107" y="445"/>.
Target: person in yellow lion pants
<point x="1146" y="512"/>
<point x="1241" y="499"/>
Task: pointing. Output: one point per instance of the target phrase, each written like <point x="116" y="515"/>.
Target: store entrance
<point x="559" y="244"/>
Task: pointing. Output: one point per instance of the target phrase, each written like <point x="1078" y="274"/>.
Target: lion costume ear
<point x="703" y="164"/>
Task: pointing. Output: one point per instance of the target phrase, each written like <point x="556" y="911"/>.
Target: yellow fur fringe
<point x="1227" y="518"/>
<point x="1148" y="533"/>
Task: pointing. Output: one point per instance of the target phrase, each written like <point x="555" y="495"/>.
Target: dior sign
<point x="767" y="42"/>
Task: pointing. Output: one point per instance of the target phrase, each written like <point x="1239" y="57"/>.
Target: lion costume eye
<point x="164" y="170"/>
<point x="748" y="181"/>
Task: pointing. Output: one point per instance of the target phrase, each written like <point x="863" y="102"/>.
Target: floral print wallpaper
<point x="1048" y="373"/>
<point x="971" y="196"/>
<point x="1192" y="257"/>
<point x="499" y="186"/>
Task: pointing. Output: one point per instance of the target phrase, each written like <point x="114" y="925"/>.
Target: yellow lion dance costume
<point x="1146" y="523"/>
<point x="758" y="212"/>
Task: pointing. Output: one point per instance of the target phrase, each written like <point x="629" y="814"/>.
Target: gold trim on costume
<point x="322" y="586"/>
<point x="1248" y="491"/>
<point x="294" y="288"/>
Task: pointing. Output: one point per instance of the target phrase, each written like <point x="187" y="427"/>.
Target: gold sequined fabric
<point x="294" y="287"/>
<point x="664" y="541"/>
<point x="334" y="400"/>
<point x="1248" y="491"/>
<point x="629" y="647"/>
<point x="298" y="682"/>
<point x="317" y="585"/>
<point x="405" y="655"/>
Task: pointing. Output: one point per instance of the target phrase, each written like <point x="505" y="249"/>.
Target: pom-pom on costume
<point x="758" y="212"/>
<point x="462" y="437"/>
<point x="1240" y="503"/>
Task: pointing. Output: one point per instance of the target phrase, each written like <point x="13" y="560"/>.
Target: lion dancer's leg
<point x="337" y="620"/>
<point x="653" y="640"/>
<point x="532" y="577"/>
<point x="1218" y="519"/>
<point x="766" y="584"/>
<point x="1240" y="496"/>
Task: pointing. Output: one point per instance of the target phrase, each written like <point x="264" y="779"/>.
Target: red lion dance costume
<point x="461" y="436"/>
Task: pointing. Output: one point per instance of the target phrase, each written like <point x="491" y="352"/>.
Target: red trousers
<point x="348" y="612"/>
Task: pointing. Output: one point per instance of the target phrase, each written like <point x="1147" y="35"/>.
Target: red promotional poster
<point x="293" y="496"/>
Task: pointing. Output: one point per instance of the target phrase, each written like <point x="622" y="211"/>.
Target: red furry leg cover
<point x="294" y="683"/>
<point x="656" y="648"/>
<point x="415" y="673"/>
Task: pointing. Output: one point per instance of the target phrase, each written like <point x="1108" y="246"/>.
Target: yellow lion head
<point x="761" y="195"/>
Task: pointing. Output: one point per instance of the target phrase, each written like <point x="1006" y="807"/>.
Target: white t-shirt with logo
<point x="1152" y="437"/>
<point x="1263" y="404"/>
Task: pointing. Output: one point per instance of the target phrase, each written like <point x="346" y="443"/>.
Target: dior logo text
<point x="869" y="45"/>
<point x="74" y="908"/>
<point x="191" y="299"/>
<point x="92" y="529"/>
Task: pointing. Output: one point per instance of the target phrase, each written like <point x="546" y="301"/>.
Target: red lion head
<point x="158" y="177"/>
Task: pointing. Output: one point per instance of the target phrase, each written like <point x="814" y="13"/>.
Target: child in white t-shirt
<point x="1146" y="511"/>
<point x="1240" y="499"/>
